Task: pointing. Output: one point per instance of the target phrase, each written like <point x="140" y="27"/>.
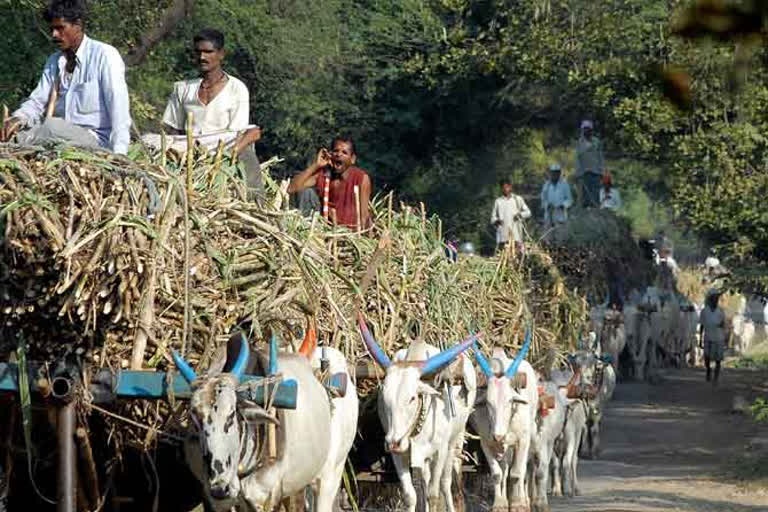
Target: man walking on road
<point x="712" y="321"/>
<point x="507" y="217"/>
<point x="82" y="97"/>
<point x="589" y="165"/>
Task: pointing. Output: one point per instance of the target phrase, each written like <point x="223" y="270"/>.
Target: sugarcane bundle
<point x="121" y="260"/>
<point x="593" y="247"/>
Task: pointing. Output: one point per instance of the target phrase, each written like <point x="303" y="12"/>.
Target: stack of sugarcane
<point x="595" y="245"/>
<point x="121" y="261"/>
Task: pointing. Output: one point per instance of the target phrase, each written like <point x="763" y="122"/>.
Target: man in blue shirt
<point x="82" y="97"/>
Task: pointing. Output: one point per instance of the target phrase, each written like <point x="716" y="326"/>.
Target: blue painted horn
<point x="374" y="349"/>
<point x="272" y="355"/>
<point x="512" y="370"/>
<point x="438" y="361"/>
<point x="184" y="368"/>
<point x="482" y="362"/>
<point x="242" y="358"/>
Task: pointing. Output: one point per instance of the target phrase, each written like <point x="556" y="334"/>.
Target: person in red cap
<point x="609" y="196"/>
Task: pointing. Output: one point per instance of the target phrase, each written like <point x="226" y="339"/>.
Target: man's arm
<point x="600" y="157"/>
<point x="115" y="89"/>
<point x="568" y="198"/>
<point x="173" y="117"/>
<point x="365" y="199"/>
<point x="495" y="213"/>
<point x="33" y="108"/>
<point x="525" y="212"/>
<point x="308" y="177"/>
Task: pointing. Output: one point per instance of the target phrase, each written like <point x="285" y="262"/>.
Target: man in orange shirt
<point x="335" y="177"/>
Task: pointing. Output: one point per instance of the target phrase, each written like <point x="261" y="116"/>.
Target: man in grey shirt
<point x="589" y="165"/>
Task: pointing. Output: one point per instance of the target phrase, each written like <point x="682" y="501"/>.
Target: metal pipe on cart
<point x="66" y="486"/>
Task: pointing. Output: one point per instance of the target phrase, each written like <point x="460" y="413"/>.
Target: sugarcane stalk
<point x="147" y="307"/>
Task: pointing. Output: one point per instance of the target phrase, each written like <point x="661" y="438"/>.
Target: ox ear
<point x="426" y="389"/>
<point x="254" y="413"/>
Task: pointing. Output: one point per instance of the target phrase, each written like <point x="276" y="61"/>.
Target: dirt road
<point x="677" y="446"/>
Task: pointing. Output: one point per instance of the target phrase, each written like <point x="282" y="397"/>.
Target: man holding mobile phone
<point x="344" y="189"/>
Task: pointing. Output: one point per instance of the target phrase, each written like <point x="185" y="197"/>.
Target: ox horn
<point x="272" y="355"/>
<point x="447" y="356"/>
<point x="377" y="353"/>
<point x="482" y="362"/>
<point x="512" y="370"/>
<point x="242" y="358"/>
<point x="184" y="368"/>
<point x="310" y="339"/>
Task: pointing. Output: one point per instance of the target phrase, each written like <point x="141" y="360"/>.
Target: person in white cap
<point x="507" y="217"/>
<point x="589" y="165"/>
<point x="712" y="339"/>
<point x="556" y="197"/>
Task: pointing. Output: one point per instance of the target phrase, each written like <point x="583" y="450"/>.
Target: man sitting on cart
<point x="344" y="189"/>
<point x="82" y="97"/>
<point x="220" y="108"/>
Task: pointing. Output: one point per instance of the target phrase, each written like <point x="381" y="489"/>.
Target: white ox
<point x="595" y="383"/>
<point x="639" y="323"/>
<point x="312" y="440"/>
<point x="566" y="461"/>
<point x="422" y="433"/>
<point x="613" y="336"/>
<point x="505" y="420"/>
<point x="550" y="421"/>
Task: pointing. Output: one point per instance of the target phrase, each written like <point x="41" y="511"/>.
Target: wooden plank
<point x="106" y="385"/>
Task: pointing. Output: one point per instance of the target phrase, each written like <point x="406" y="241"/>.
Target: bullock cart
<point x="60" y="388"/>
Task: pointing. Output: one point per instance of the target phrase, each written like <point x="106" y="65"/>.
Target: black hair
<point x="505" y="181"/>
<point x="211" y="35"/>
<point x="73" y="11"/>
<point x="344" y="138"/>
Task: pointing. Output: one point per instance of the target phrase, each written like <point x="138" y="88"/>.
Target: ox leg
<point x="519" y="501"/>
<point x="435" y="481"/>
<point x="541" y="482"/>
<point x="555" y="474"/>
<point x="568" y="464"/>
<point x="594" y="438"/>
<point x="406" y="482"/>
<point x="575" y="469"/>
<point x="499" y="471"/>
<point x="328" y="489"/>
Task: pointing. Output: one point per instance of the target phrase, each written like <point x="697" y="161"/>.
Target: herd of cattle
<point x="532" y="425"/>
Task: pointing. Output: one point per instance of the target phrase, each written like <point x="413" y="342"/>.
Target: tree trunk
<point x="177" y="11"/>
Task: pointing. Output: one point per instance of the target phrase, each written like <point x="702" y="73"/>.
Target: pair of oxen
<point x="425" y="401"/>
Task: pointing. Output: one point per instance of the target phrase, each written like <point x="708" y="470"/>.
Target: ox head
<point x="404" y="396"/>
<point x="501" y="398"/>
<point x="585" y="365"/>
<point x="221" y="416"/>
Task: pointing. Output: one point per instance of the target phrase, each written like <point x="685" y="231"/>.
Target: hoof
<point x="540" y="507"/>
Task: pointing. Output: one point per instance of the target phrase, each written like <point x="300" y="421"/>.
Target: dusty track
<point x="677" y="446"/>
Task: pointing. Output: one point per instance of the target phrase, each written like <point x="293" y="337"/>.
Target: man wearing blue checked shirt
<point x="82" y="97"/>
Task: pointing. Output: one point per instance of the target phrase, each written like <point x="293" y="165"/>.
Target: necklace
<point x="205" y="87"/>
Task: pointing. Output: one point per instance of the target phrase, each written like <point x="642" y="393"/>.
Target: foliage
<point x="760" y="410"/>
<point x="445" y="97"/>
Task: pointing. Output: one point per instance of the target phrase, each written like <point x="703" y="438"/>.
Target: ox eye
<point x="230" y="422"/>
